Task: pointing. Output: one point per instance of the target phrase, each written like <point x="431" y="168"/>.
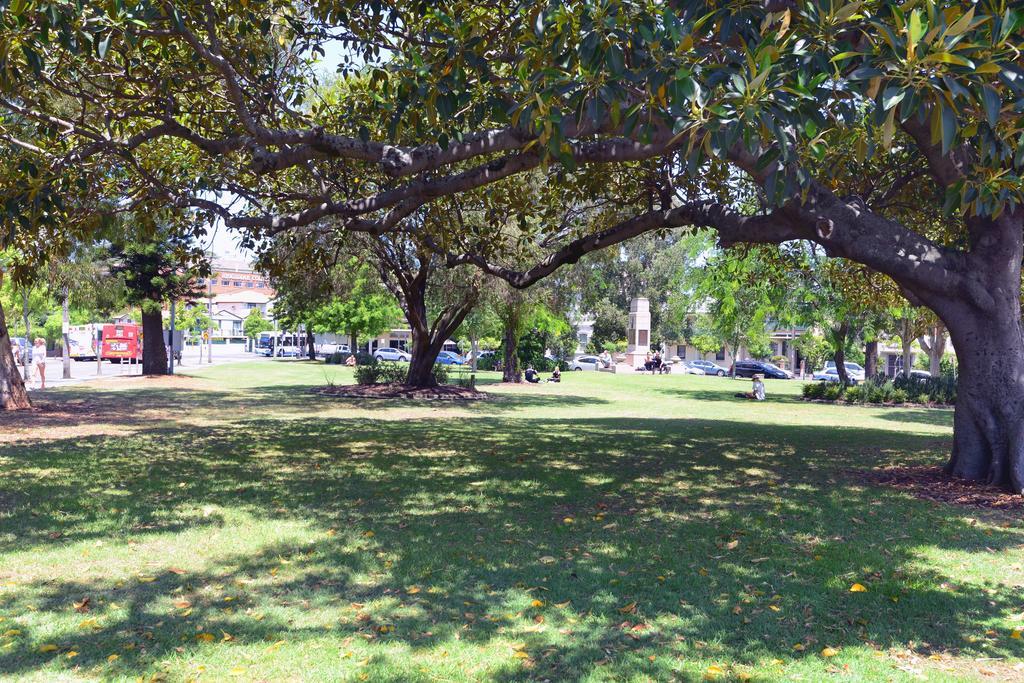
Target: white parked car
<point x="689" y="368"/>
<point x="831" y="375"/>
<point x="388" y="353"/>
<point x="854" y="370"/>
<point x="587" y="363"/>
<point x="331" y="349"/>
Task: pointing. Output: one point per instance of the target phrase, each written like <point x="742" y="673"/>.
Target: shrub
<point x="440" y="373"/>
<point x="368" y="373"/>
<point x="392" y="373"/>
<point x="855" y="394"/>
<point x="833" y="391"/>
<point x="814" y="390"/>
<point x="899" y="396"/>
<point x="336" y="358"/>
<point x="487" y="362"/>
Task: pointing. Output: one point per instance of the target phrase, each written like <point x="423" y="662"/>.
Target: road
<point x="83" y="371"/>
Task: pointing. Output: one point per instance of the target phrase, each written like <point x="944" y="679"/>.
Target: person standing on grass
<point x="39" y="361"/>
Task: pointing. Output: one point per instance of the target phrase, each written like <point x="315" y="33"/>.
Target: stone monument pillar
<point x="638" y="334"/>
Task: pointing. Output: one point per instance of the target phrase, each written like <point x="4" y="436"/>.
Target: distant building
<point x="230" y="276"/>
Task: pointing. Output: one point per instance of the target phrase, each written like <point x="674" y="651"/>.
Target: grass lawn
<point x="234" y="526"/>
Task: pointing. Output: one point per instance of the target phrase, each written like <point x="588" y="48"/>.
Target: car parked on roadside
<point x="288" y="351"/>
<point x="392" y="354"/>
<point x="688" y="368"/>
<point x="450" y="358"/>
<point x="855" y="371"/>
<point x="709" y="368"/>
<point x="331" y="349"/>
<point x="586" y="363"/>
<point x="749" y="368"/>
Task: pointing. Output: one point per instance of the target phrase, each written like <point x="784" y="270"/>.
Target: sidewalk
<point x="85" y="371"/>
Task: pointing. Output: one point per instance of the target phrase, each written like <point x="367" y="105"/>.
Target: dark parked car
<point x="749" y="368"/>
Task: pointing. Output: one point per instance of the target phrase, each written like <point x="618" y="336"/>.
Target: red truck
<point x="122" y="343"/>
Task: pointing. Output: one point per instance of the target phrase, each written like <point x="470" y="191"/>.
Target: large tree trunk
<point x="311" y="344"/>
<point x="510" y="346"/>
<point x="871" y="358"/>
<point x="988" y="438"/>
<point x="12" y="387"/>
<point x="474" y="351"/>
<point x="154" y="353"/>
<point x="907" y="341"/>
<point x="839" y="340"/>
<point x="353" y="342"/>
<point x="934" y="344"/>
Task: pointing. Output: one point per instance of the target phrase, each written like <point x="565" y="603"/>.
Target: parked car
<point x="331" y="349"/>
<point x="709" y="368"/>
<point x="264" y="351"/>
<point x="586" y="363"/>
<point x="749" y="368"/>
<point x="830" y="375"/>
<point x="388" y="353"/>
<point x="688" y="368"/>
<point x="854" y="370"/>
<point x="288" y="351"/>
<point x="25" y="348"/>
<point x="450" y="358"/>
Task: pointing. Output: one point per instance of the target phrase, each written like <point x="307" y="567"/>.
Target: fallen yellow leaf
<point x="225" y="636"/>
<point x="49" y="647"/>
<point x="72" y="654"/>
<point x="236" y="670"/>
<point x="519" y="654"/>
<point x="799" y="647"/>
<point x="412" y="590"/>
<point x="10" y="633"/>
<point x="537" y="603"/>
<point x="628" y="609"/>
<point x="829" y="652"/>
<point x="369" y="534"/>
<point x="113" y="658"/>
<point x="568" y="520"/>
<point x="713" y="671"/>
<point x="1015" y="634"/>
<point x="858" y="588"/>
<point x="147" y="579"/>
<point x="275" y="646"/>
<point x="206" y="637"/>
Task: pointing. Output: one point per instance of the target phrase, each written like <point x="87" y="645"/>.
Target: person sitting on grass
<point x="351" y="361"/>
<point x="756" y="392"/>
<point x="531" y="375"/>
<point x="556" y="375"/>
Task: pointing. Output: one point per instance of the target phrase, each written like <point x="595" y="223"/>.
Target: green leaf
<point x="104" y="46"/>
<point x="948" y="127"/>
<point x="916" y="29"/>
<point x="949" y="58"/>
<point x="892" y="96"/>
<point x="992" y="102"/>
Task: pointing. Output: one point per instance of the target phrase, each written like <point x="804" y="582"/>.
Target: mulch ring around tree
<point x="443" y="392"/>
<point x="932" y="483"/>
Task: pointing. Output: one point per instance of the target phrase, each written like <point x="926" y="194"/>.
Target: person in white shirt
<point x="756" y="392"/>
<point x="39" y="361"/>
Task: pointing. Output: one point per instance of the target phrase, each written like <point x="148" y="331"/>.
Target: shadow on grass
<point x="673" y="539"/>
<point x="942" y="417"/>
